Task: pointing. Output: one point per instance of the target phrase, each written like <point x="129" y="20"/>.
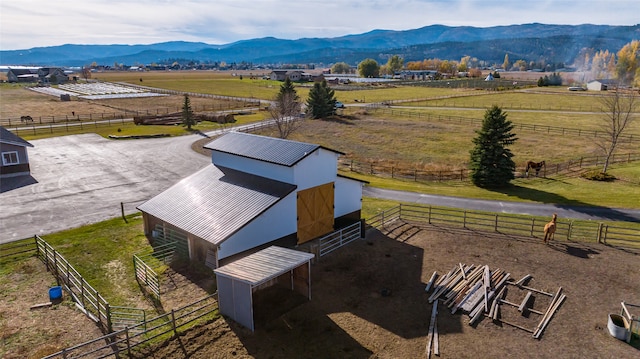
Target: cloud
<point x="31" y="23"/>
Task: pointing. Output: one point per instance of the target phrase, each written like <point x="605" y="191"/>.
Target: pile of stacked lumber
<point x="479" y="291"/>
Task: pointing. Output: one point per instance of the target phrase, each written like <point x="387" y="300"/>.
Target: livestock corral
<point x="369" y="301"/>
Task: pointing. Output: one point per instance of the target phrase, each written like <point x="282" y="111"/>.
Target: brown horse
<point x="550" y="229"/>
<point x="536" y="166"/>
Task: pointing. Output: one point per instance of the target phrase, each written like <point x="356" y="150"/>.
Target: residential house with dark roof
<point x="22" y="75"/>
<point x="257" y="190"/>
<point x="13" y="149"/>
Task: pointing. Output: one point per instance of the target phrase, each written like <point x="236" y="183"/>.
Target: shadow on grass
<point x="565" y="203"/>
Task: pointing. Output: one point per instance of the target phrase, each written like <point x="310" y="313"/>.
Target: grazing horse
<point x="550" y="229"/>
<point x="536" y="166"/>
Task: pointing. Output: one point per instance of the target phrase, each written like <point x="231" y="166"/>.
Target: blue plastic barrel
<point x="55" y="293"/>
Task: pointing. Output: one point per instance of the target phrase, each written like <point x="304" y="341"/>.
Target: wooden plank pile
<point x="479" y="292"/>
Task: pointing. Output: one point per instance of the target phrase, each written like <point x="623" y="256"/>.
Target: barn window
<point x="9" y="158"/>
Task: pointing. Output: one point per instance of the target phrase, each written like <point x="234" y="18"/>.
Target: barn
<point x="15" y="159"/>
<point x="258" y="190"/>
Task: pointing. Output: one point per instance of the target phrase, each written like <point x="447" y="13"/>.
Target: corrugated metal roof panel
<point x="267" y="149"/>
<point x="216" y="202"/>
<point x="264" y="265"/>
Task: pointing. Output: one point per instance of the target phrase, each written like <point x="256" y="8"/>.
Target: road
<point x="533" y="209"/>
<point x="81" y="179"/>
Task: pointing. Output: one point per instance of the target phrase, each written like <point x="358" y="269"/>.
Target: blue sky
<point x="31" y="23"/>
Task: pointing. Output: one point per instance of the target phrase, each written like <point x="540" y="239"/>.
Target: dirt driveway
<point x="351" y="314"/>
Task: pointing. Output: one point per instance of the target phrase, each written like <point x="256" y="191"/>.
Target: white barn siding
<point x="348" y="196"/>
<point x="277" y="222"/>
<point x="255" y="167"/>
<point x="317" y="169"/>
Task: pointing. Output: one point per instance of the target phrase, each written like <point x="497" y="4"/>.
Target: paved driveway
<point x="82" y="179"/>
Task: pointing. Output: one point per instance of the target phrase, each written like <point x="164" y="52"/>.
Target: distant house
<point x="601" y="85"/>
<point x="293" y="75"/>
<point x="489" y="77"/>
<point x="257" y="190"/>
<point x="44" y="75"/>
<point x="22" y="75"/>
<point x="52" y="75"/>
<point x="417" y="74"/>
<point x="13" y="149"/>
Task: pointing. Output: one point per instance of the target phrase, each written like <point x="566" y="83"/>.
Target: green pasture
<point x="562" y="190"/>
<point x="523" y="100"/>
<point x="103" y="254"/>
<point x="212" y="82"/>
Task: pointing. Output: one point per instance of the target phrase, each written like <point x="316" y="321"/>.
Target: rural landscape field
<point x="368" y="298"/>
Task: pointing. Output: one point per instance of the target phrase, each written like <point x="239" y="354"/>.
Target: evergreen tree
<point x="322" y="101"/>
<point x="492" y="165"/>
<point x="188" y="119"/>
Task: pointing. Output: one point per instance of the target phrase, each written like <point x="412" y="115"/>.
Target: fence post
<point x="569" y="232"/>
<point x="429" y="214"/>
<point x="108" y="315"/>
<point x="122" y="210"/>
<point x="599" y="234"/>
<point x="496" y="224"/>
<point x="126" y="333"/>
<point x="173" y="322"/>
<point x="604" y="236"/>
<point x="533" y="224"/>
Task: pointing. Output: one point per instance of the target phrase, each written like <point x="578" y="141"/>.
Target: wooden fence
<point x="139" y="336"/>
<point x="617" y="235"/>
<point x="477" y="122"/>
<point x="18" y="250"/>
<point x="464" y="174"/>
<point x="87" y="299"/>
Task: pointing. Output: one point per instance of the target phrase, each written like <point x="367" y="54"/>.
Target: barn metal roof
<point x="267" y="149"/>
<point x="262" y="266"/>
<point x="11" y="138"/>
<point x="216" y="202"/>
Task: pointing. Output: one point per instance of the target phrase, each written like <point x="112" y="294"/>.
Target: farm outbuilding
<point x="258" y="190"/>
<point x="601" y="85"/>
<point x="15" y="159"/>
<point x="239" y="280"/>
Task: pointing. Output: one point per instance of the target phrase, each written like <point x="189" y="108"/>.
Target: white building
<point x="258" y="190"/>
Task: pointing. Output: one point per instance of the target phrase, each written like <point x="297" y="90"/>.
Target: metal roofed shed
<point x="237" y="281"/>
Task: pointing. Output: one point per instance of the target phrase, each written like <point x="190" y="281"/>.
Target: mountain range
<point x="529" y="42"/>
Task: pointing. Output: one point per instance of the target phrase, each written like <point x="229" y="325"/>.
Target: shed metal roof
<point x="262" y="266"/>
<point x="11" y="138"/>
<point x="267" y="149"/>
<point x="216" y="202"/>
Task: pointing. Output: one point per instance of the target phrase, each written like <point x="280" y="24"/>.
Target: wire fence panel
<point x="339" y="238"/>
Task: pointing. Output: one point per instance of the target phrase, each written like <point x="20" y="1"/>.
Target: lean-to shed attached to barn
<point x="239" y="280"/>
<point x="257" y="190"/>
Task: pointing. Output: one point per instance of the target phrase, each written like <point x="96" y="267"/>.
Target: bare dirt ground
<point x="349" y="317"/>
<point x="34" y="333"/>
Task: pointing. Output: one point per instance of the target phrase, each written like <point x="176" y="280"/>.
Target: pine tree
<point x="188" y="119"/>
<point x="492" y="165"/>
<point x="322" y="101"/>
